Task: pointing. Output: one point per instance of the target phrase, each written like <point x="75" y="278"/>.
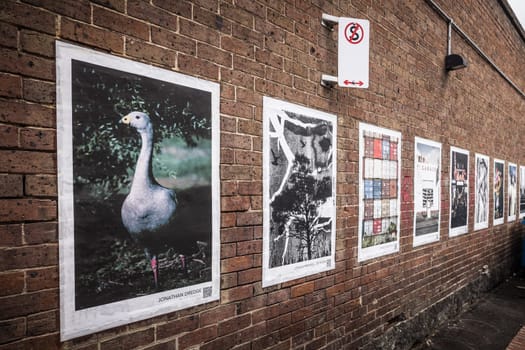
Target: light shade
<point x="454" y="61"/>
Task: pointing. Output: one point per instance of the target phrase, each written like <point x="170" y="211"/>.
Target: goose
<point x="149" y="208"/>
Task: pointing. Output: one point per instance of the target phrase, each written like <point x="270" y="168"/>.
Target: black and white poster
<point x="522" y="192"/>
<point x="459" y="184"/>
<point x="299" y="172"/>
<point x="379" y="191"/>
<point x="481" y="192"/>
<point x="512" y="190"/>
<point x="427" y="191"/>
<point x="138" y="158"/>
<point x="498" y="190"/>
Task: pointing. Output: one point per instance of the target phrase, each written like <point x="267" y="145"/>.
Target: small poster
<point x="459" y="182"/>
<point x="481" y="192"/>
<point x="427" y="191"/>
<point x="138" y="190"/>
<point x="512" y="191"/>
<point x="522" y="191"/>
<point x="299" y="174"/>
<point x="498" y="190"/>
<point x="379" y="191"/>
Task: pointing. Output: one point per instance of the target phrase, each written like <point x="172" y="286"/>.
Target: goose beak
<point x="125" y="120"/>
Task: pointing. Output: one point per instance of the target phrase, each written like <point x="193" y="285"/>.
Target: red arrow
<point x="348" y="82"/>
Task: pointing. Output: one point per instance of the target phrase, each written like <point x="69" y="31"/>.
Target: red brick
<point x="236" y="234"/>
<point x="27" y="113"/>
<point x="78" y="9"/>
<point x="120" y="23"/>
<point x="174" y="41"/>
<point x="8" y="35"/>
<point x="236" y="172"/>
<point x="51" y="341"/>
<point x="248" y="66"/>
<point x="37" y="43"/>
<point x="10" y="85"/>
<point x="42" y="323"/>
<point x="198" y="336"/>
<point x="12" y="283"/>
<point x="177" y="7"/>
<point x="211" y="19"/>
<point x="150" y="53"/>
<point x="10" y="235"/>
<point x="278" y="322"/>
<point x="199" y="32"/>
<point x="143" y="10"/>
<point x="29" y="303"/>
<point x="278" y="296"/>
<point x="38" y="139"/>
<point x="237" y="46"/>
<point x="249" y="276"/>
<point x="192" y="65"/>
<point x="39" y="91"/>
<point x="27" y="16"/>
<point x="40" y="232"/>
<point x="237" y="77"/>
<point x="178" y="326"/>
<point x="41" y="185"/>
<point x="12" y="330"/>
<point x="249" y="247"/>
<point x="24" y="257"/>
<point x="228" y="280"/>
<point x="169" y="345"/>
<point x="237" y="14"/>
<point x="236" y="264"/>
<point x="11" y="185"/>
<point x="217" y="314"/>
<point x="234" y="324"/>
<point x="236" y="141"/>
<point x="236" y="294"/>
<point x="214" y="54"/>
<point x="249" y="218"/>
<point x="248" y="157"/>
<point x="235" y="203"/>
<point x="38" y="279"/>
<point x="250" y="188"/>
<point x="90" y="35"/>
<point x="129" y="340"/>
<point x="27" y="162"/>
<point x="25" y="64"/>
<point x="118" y="5"/>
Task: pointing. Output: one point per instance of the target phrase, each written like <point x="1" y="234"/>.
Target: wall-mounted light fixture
<point x="453" y="61"/>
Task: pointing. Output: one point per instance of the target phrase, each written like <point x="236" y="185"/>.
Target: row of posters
<point x="138" y="183"/>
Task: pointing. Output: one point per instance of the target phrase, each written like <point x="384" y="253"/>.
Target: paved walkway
<point x="493" y="323"/>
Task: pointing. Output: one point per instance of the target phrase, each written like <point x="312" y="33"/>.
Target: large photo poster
<point x="512" y="191"/>
<point x="481" y="192"/>
<point x="427" y="191"/>
<point x="379" y="191"/>
<point x="498" y="191"/>
<point x="138" y="158"/>
<point x="299" y="186"/>
<point x="459" y="182"/>
<point x="522" y="192"/>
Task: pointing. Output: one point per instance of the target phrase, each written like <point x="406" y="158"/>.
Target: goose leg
<point x="154" y="266"/>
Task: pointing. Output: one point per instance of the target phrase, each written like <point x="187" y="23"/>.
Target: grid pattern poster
<point x="138" y="165"/>
<point x="481" y="192"/>
<point x="379" y="191"/>
<point x="498" y="191"/>
<point x="522" y="192"/>
<point x="459" y="181"/>
<point x="427" y="191"/>
<point x="512" y="191"/>
<point x="299" y="186"/>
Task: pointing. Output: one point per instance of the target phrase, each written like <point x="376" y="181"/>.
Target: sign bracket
<point x="329" y="21"/>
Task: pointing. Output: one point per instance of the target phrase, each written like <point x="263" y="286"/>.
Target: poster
<point x="522" y="191"/>
<point x="427" y="191"/>
<point x="459" y="182"/>
<point x="481" y="192"/>
<point x="498" y="189"/>
<point x="299" y="174"/>
<point x="379" y="191"/>
<point x="138" y="157"/>
<point x="512" y="191"/>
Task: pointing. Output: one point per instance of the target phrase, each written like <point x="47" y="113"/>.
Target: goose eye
<point x="137" y="117"/>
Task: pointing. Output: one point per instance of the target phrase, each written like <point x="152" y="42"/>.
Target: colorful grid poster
<point x="427" y="191"/>
<point x="379" y="191"/>
<point x="512" y="191"/>
<point x="522" y="192"/>
<point x="481" y="203"/>
<point x="498" y="189"/>
<point x="459" y="182"/>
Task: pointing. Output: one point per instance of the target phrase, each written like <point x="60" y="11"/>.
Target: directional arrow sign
<point x="353" y="52"/>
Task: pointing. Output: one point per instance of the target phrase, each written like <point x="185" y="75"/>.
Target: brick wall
<point x="257" y="48"/>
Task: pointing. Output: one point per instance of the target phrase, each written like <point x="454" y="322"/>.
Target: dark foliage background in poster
<point x="109" y="266"/>
<point x="499" y="176"/>
<point x="300" y="229"/>
<point x="459" y="190"/>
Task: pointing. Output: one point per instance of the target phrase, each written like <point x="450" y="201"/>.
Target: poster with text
<point x="522" y="191"/>
<point x="459" y="182"/>
<point x="498" y="190"/>
<point x="512" y="191"/>
<point x="427" y="191"/>
<point x="138" y="169"/>
<point x="379" y="191"/>
<point x="299" y="186"/>
<point x="481" y="192"/>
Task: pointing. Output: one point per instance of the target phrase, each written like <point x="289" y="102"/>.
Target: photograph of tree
<point x="522" y="192"/>
<point x="137" y="165"/>
<point x="379" y="191"/>
<point x="459" y="182"/>
<point x="481" y="192"/>
<point x="512" y="191"/>
<point x="299" y="172"/>
<point x="499" y="199"/>
<point x="427" y="191"/>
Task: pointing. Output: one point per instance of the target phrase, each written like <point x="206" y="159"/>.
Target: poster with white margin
<point x="522" y="192"/>
<point x="512" y="194"/>
<point x="498" y="188"/>
<point x="459" y="191"/>
<point x="481" y="192"/>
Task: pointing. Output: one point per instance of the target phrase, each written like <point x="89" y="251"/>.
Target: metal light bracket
<point x="329" y="21"/>
<point x="328" y="81"/>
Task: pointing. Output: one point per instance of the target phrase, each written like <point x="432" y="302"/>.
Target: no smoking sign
<point x="353" y="52"/>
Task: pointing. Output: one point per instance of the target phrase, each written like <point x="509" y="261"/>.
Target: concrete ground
<point x="491" y="324"/>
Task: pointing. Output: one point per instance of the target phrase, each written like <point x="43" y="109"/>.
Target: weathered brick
<point x="249" y="218"/>
<point x="178" y="326"/>
<point x="192" y="65"/>
<point x="12" y="283"/>
<point x="211" y="19"/>
<point x="236" y="294"/>
<point x="27" y="16"/>
<point x="42" y="323"/>
<point x="217" y="314"/>
<point x="199" y="32"/>
<point x="39" y="91"/>
<point x="8" y="35"/>
<point x="11" y="185"/>
<point x="235" y="203"/>
<point x="237" y="46"/>
<point x="174" y="41"/>
<point x="90" y="35"/>
<point x="25" y="64"/>
<point x="10" y="85"/>
<point x="198" y="336"/>
<point x="237" y="14"/>
<point x="234" y="324"/>
<point x="41" y="185"/>
<point x="24" y="257"/>
<point x="40" y="232"/>
<point x="214" y="54"/>
<point x="177" y="7"/>
<point x="78" y="9"/>
<point x="129" y="340"/>
<point x="38" y="279"/>
<point x="248" y="157"/>
<point x="120" y="23"/>
<point x="237" y="263"/>
<point x="38" y="139"/>
<point x="118" y="5"/>
<point x="37" y="43"/>
<point x="11" y="330"/>
<point x="28" y="114"/>
<point x="249" y="247"/>
<point x="236" y="234"/>
<point x="27" y="162"/>
<point x="150" y="53"/>
<point x="28" y="303"/>
<point x="249" y="276"/>
<point x="145" y="11"/>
